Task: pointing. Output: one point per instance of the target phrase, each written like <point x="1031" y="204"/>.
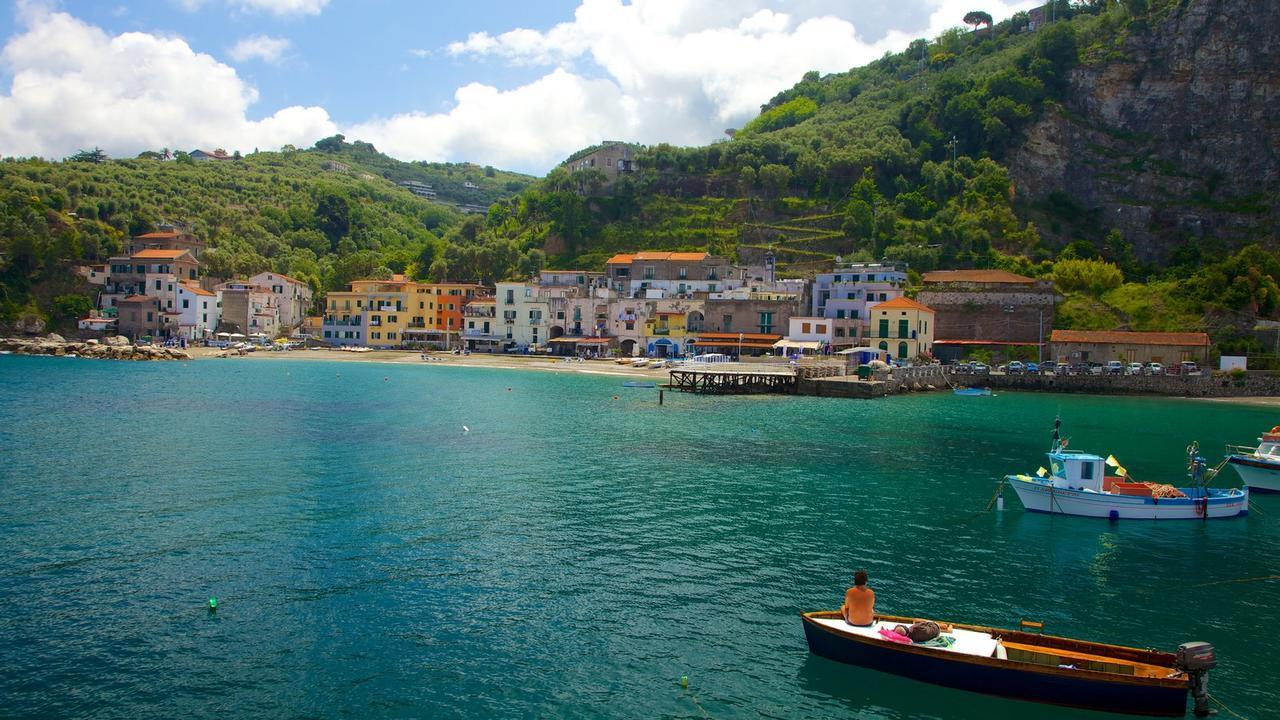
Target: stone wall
<point x="981" y="315"/>
<point x="1207" y="385"/>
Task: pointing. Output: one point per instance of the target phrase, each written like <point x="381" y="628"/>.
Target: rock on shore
<point x="112" y="348"/>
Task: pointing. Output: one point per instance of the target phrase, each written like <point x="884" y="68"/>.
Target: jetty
<point x="820" y="379"/>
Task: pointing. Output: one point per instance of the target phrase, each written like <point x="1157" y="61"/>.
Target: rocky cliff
<point x="1173" y="135"/>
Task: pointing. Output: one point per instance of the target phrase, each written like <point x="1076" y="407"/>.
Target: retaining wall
<point x="1169" y="385"/>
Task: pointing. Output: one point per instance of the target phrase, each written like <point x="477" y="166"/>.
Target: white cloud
<point x="678" y="71"/>
<point x="284" y="7"/>
<point x="75" y="86"/>
<point x="261" y="47"/>
<point x="279" y="8"/>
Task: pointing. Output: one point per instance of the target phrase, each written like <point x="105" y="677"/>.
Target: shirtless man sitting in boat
<point x="859" y="606"/>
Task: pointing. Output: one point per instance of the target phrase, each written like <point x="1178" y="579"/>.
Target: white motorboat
<point x="1259" y="467"/>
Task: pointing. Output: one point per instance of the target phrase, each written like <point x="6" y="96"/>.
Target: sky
<point x="515" y="84"/>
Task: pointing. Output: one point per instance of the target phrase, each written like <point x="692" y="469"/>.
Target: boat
<point x="1259" y="467"/>
<point x="1024" y="665"/>
<point x="1077" y="484"/>
<point x="973" y="392"/>
<point x="638" y="384"/>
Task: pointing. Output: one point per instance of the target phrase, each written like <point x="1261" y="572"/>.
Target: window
<point x="1086" y="471"/>
<point x="839" y="314"/>
<point x="204" y="318"/>
<point x="391" y="318"/>
<point x="766" y="322"/>
<point x="884" y="330"/>
<point x="684" y="273"/>
<point x="839" y="332"/>
<point x="884" y="346"/>
<point x="149" y="316"/>
<point x="391" y="336"/>
<point x="375" y="336"/>
<point x="804" y="328"/>
<point x="853" y="314"/>
<point x="186" y="303"/>
<point x="631" y="325"/>
<point x="903" y="330"/>
<point x="328" y="333"/>
<point x="648" y="272"/>
<point x="728" y="322"/>
<point x="902" y="350"/>
<point x="157" y="284"/>
<point x="821" y="329"/>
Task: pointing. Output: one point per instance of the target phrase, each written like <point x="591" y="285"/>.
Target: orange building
<point x="437" y="316"/>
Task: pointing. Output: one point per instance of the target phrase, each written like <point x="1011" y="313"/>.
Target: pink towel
<point x="892" y="636"/>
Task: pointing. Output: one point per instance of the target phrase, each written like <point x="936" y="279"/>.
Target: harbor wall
<point x="1207" y="385"/>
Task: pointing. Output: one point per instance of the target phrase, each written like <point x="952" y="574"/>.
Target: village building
<point x="248" y="309"/>
<point x="199" y="310"/>
<point x="991" y="309"/>
<point x="612" y="158"/>
<point x="807" y="334"/>
<point x="167" y="238"/>
<point x="480" y="332"/>
<point x="437" y="313"/>
<point x="1101" y="346"/>
<point x="139" y="316"/>
<point x="847" y="295"/>
<point x="523" y="311"/>
<point x="293" y="297"/>
<point x="764" y="313"/>
<point x="94" y="274"/>
<point x="204" y="155"/>
<point x="737" y="344"/>
<point x="152" y="271"/>
<point x="903" y="328"/>
<point x="656" y="275"/>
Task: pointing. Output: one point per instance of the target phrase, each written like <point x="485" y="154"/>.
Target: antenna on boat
<point x="1057" y="437"/>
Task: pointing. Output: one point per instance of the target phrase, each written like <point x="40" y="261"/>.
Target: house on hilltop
<point x="611" y="157"/>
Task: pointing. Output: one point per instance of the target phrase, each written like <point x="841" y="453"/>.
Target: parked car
<point x="1062" y="369"/>
<point x="1155" y="368"/>
<point x="1095" y="368"/>
<point x="1133" y="369"/>
<point x="1188" y="367"/>
<point x="979" y="368"/>
<point x="1115" y="367"/>
<point x="1016" y="368"/>
<point x="1032" y="368"/>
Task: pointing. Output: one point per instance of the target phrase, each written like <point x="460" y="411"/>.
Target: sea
<point x="420" y="540"/>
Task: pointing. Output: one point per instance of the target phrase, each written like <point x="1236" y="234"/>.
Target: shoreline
<point x="443" y="359"/>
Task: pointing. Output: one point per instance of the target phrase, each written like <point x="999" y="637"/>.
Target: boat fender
<point x="1001" y="653"/>
<point x="1114" y="515"/>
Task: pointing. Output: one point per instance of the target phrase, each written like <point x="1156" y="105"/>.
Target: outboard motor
<point x="1196" y="659"/>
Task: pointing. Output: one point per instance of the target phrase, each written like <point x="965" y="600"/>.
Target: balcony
<point x="660" y="331"/>
<point x="416" y="326"/>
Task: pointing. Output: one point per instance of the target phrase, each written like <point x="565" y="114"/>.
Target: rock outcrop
<point x="1173" y="135"/>
<point x="110" y="349"/>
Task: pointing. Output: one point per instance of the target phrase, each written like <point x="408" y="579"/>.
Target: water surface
<point x="572" y="555"/>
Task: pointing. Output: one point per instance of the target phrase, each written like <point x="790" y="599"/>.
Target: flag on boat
<point x="1121" y="471"/>
<point x="1042" y="472"/>
<point x="1111" y="460"/>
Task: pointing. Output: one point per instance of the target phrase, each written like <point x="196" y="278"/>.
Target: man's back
<point x="859" y="605"/>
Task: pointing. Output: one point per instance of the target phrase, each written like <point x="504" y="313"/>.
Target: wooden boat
<point x="1025" y="665"/>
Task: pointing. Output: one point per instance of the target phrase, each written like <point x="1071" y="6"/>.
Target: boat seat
<point x="967" y="642"/>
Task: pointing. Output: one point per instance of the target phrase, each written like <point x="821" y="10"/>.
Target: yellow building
<point x="374" y="313"/>
<point x="903" y="328"/>
<point x="437" y="318"/>
<point x="666" y="334"/>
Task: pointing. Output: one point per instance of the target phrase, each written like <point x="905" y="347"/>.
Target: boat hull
<point x="1043" y="497"/>
<point x="992" y="676"/>
<point x="1259" y="475"/>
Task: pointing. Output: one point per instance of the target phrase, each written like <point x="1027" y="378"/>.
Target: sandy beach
<point x="441" y="359"/>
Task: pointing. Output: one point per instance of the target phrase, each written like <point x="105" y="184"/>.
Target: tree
<point x="439" y="271"/>
<point x="978" y="17"/>
<point x="330" y="144"/>
<point x="96" y="155"/>
<point x="1092" y="276"/>
<point x="71" y="307"/>
<point x="775" y="179"/>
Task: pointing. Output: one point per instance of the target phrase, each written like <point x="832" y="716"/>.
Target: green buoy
<point x="684" y="681"/>
<point x="213" y="603"/>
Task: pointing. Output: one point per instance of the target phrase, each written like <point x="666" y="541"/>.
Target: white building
<point x="811" y="329"/>
<point x="522" y="313"/>
<point x="199" y="310"/>
<point x="848" y="295"/>
<point x="293" y="297"/>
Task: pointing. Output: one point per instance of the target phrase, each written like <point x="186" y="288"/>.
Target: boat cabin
<point x="1077" y="470"/>
<point x="1268" y="446"/>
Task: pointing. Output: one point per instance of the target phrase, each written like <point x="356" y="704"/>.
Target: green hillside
<point x="326" y="215"/>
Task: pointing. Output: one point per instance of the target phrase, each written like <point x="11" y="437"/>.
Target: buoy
<point x="213" y="604"/>
<point x="508" y="389"/>
<point x="466" y="429"/>
<point x="615" y="397"/>
<point x="1114" y="515"/>
<point x="1000" y="502"/>
<point x="684" y="681"/>
<point x="386" y="379"/>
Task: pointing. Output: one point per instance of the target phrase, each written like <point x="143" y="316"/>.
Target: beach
<point x="446" y="359"/>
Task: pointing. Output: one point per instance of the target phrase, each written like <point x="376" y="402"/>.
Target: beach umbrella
<point x="235" y="335"/>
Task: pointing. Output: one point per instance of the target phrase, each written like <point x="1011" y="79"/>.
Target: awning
<point x="581" y="341"/>
<point x="798" y="345"/>
<point x="731" y="344"/>
<point x="850" y="351"/>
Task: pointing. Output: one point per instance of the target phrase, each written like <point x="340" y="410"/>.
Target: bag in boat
<point x="923" y="631"/>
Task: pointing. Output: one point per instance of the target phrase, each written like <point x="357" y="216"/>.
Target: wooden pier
<point x="734" y="381"/>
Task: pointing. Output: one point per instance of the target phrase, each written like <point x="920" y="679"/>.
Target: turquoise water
<point x="572" y="555"/>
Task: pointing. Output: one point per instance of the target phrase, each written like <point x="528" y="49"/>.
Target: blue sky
<point x="515" y="84"/>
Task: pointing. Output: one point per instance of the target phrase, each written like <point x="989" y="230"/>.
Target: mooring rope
<point x="1224" y="707"/>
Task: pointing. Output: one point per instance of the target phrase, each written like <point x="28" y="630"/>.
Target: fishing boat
<point x="1024" y="665"/>
<point x="1077" y="484"/>
<point x="1258" y="466"/>
<point x="972" y="392"/>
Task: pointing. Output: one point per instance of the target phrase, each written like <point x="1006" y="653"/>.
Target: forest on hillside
<point x="904" y="158"/>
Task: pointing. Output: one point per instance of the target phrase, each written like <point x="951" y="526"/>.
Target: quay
<point x="815" y="379"/>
